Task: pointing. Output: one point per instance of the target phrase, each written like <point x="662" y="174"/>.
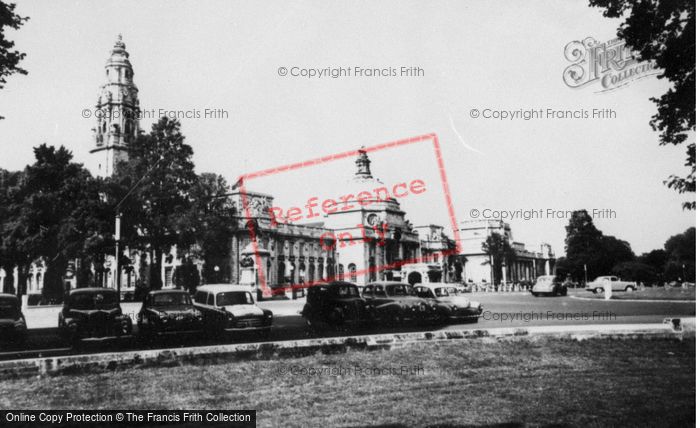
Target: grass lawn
<point x="656" y="293"/>
<point x="634" y="382"/>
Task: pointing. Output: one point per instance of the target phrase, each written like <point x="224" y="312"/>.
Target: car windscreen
<point x="171" y="299"/>
<point x="442" y="292"/>
<point x="8" y="308"/>
<point x="423" y="292"/>
<point x="228" y="298"/>
<point x="348" y="291"/>
<point x="397" y="290"/>
<point x="87" y="301"/>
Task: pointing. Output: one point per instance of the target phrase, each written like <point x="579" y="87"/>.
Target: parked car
<point x="13" y="326"/>
<point x="167" y="312"/>
<point x="93" y="313"/>
<point x="230" y="308"/>
<point x="548" y="285"/>
<point x="451" y="305"/>
<point x="598" y="284"/>
<point x="337" y="304"/>
<point x="395" y="303"/>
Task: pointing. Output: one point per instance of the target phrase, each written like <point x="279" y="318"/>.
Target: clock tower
<point x="116" y="112"/>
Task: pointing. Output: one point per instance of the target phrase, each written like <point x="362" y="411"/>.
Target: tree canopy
<point x="589" y="252"/>
<point x="663" y="31"/>
<point x="153" y="191"/>
<point x="54" y="213"/>
<point x="501" y="253"/>
<point x="9" y="56"/>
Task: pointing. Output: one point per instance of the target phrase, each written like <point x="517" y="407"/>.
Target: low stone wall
<point x="672" y="329"/>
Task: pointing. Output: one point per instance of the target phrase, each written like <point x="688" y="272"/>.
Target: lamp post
<point x="117" y="238"/>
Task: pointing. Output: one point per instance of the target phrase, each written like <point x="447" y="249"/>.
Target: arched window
<point x="341" y="271"/>
<point x="352" y="269"/>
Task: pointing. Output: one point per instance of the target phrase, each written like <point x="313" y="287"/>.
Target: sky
<point x="483" y="55"/>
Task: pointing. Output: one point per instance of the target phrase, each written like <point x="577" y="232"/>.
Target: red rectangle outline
<point x="316" y="161"/>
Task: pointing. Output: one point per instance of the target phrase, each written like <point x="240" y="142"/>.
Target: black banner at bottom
<point x="127" y="418"/>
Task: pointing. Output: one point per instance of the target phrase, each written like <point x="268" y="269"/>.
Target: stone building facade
<point x="372" y="241"/>
<point x="476" y="264"/>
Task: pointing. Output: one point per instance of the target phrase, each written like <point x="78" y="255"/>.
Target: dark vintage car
<point x="230" y="308"/>
<point x="93" y="313"/>
<point x="452" y="305"/>
<point x="337" y="304"/>
<point x="395" y="303"/>
<point x="13" y="327"/>
<point x="548" y="285"/>
<point x="166" y="312"/>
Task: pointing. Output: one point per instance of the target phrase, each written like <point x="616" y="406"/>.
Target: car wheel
<point x="598" y="290"/>
<point x="629" y="288"/>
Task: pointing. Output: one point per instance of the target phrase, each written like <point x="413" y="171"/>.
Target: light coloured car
<point x="548" y="285"/>
<point x="616" y="284"/>
<point x="231" y="308"/>
<point x="452" y="305"/>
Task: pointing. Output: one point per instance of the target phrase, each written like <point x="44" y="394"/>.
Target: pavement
<point x="501" y="309"/>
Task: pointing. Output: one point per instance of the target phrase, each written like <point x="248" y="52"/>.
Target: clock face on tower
<point x="372" y="219"/>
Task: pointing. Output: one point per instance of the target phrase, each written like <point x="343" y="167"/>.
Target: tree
<point x="212" y="222"/>
<point x="10" y="257"/>
<point x="500" y="254"/>
<point x="160" y="175"/>
<point x="681" y="256"/>
<point x="613" y="252"/>
<point x="52" y="215"/>
<point x="634" y="271"/>
<point x="9" y="57"/>
<point x="587" y="246"/>
<point x="655" y="258"/>
<point x="663" y="31"/>
<point x="583" y="242"/>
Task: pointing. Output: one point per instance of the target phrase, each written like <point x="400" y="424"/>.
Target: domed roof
<point x="364" y="181"/>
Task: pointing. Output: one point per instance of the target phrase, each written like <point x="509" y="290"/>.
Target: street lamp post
<point x="117" y="238"/>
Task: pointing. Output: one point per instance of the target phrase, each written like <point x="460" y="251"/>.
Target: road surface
<point x="500" y="310"/>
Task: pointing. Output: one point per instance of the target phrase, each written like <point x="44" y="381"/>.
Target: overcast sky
<point x="475" y="55"/>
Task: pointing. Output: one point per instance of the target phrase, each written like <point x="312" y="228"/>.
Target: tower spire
<point x="116" y="111"/>
<point x="362" y="163"/>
